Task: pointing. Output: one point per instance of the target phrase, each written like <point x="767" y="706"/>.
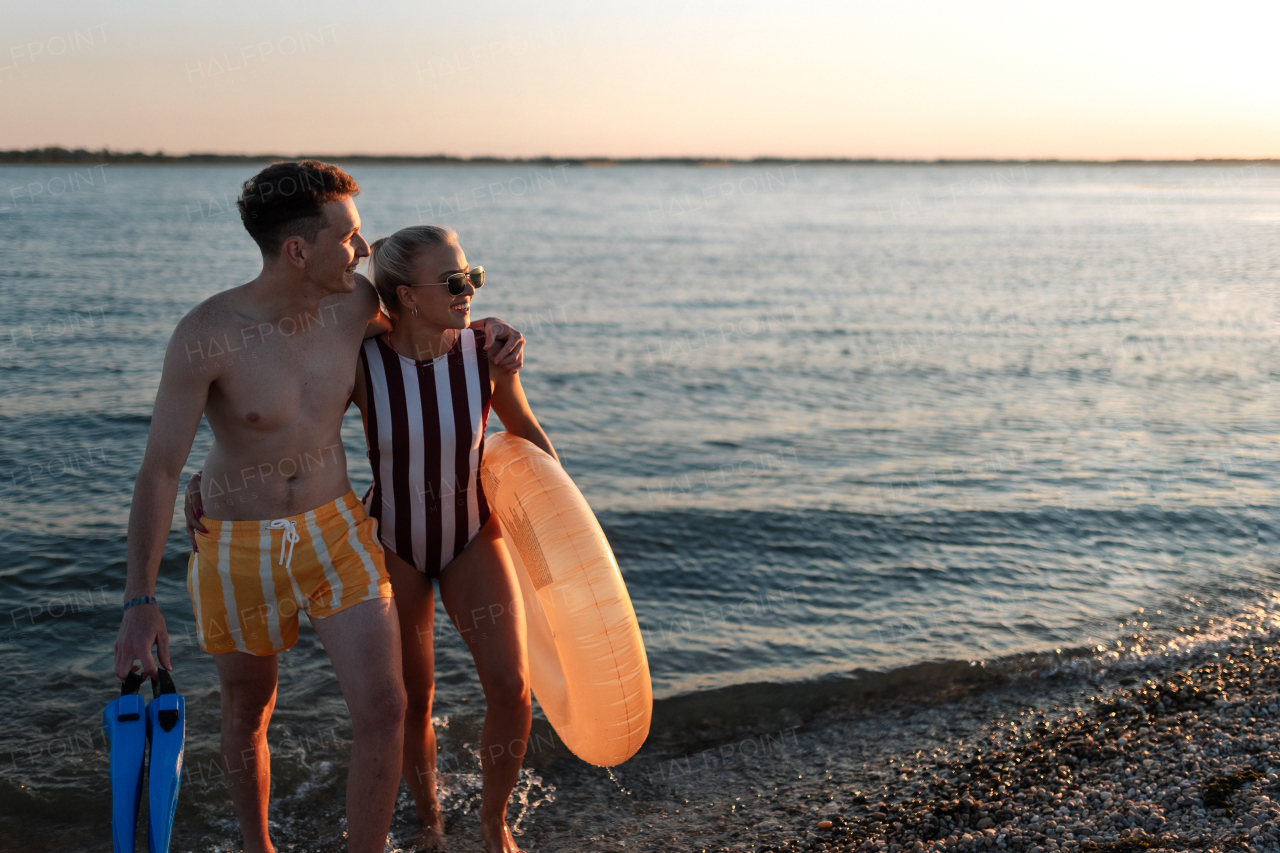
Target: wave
<point x="702" y="719"/>
<point x="830" y="532"/>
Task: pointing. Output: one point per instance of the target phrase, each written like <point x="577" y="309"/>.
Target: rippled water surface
<point x="836" y="421"/>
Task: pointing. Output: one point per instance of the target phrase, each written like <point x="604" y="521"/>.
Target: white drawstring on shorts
<point x="290" y="537"/>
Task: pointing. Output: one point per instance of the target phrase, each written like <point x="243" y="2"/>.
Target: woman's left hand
<point x="193" y="510"/>
<point x="510" y="356"/>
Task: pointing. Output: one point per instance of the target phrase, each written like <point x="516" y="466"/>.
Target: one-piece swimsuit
<point x="425" y="432"/>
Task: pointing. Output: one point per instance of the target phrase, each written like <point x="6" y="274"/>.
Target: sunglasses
<point x="458" y="281"/>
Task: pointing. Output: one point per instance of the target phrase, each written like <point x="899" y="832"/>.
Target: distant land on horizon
<point x="55" y="155"/>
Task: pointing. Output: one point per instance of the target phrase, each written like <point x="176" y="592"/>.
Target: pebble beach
<point x="1142" y="759"/>
<point x="1185" y="761"/>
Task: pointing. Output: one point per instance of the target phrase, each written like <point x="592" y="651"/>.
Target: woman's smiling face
<point x="436" y="306"/>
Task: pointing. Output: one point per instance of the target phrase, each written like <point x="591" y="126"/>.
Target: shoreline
<point x="1178" y="755"/>
<point x="1183" y="761"/>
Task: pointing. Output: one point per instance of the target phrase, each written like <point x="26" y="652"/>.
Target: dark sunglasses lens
<point x="458" y="281"/>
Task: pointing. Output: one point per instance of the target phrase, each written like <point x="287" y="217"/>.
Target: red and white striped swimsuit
<point x="426" y="422"/>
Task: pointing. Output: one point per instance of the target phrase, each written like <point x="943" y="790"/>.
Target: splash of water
<point x="530" y="792"/>
<point x="461" y="792"/>
<point x="617" y="782"/>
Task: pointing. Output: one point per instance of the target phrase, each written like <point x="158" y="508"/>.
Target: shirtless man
<point x="270" y="364"/>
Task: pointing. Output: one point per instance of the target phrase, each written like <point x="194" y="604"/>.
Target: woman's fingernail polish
<point x="199" y="513"/>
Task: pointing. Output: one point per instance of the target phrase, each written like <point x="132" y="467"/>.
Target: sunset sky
<point x="923" y="80"/>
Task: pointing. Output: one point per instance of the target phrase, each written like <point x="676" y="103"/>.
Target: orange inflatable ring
<point x="587" y="664"/>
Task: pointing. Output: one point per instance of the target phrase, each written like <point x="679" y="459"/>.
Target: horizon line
<point x="57" y="154"/>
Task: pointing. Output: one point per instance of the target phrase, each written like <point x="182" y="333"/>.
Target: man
<point x="271" y="365"/>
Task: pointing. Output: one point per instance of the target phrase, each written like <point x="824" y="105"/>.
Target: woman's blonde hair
<point x="391" y="259"/>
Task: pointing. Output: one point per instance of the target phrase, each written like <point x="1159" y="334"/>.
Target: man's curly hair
<point x="285" y="199"/>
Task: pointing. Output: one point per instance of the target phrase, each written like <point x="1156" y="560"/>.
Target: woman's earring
<point x="415" y="312"/>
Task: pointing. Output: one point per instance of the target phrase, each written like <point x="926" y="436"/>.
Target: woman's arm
<point x="378" y="322"/>
<point x="359" y="394"/>
<point x="512" y="407"/>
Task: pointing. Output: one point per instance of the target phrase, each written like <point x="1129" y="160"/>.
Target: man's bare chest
<point x="271" y="385"/>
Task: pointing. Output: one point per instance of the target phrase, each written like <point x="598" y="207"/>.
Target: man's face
<point x="338" y="249"/>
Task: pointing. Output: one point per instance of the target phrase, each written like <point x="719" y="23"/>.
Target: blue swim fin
<point x="166" y="728"/>
<point x="126" y="727"/>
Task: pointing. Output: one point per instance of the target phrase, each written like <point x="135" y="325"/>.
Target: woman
<point x="424" y="390"/>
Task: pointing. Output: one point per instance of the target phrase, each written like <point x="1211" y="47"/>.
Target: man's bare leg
<point x="481" y="580"/>
<point x="416" y="606"/>
<point x="363" y="643"/>
<point x="248" y="689"/>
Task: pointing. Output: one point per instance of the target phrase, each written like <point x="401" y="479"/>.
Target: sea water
<point x="841" y="424"/>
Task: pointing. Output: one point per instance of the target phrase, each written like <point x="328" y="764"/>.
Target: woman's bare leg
<point x="480" y="591"/>
<point x="416" y="606"/>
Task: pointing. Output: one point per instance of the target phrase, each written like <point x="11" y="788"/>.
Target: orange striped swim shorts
<point x="250" y="579"/>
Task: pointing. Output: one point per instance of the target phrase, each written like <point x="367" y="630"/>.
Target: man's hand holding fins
<point x="141" y="629"/>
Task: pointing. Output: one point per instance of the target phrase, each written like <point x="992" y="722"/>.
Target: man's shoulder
<point x="233" y="312"/>
<point x="210" y="330"/>
<point x="356" y="306"/>
<point x="215" y="313"/>
<point x="365" y="294"/>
